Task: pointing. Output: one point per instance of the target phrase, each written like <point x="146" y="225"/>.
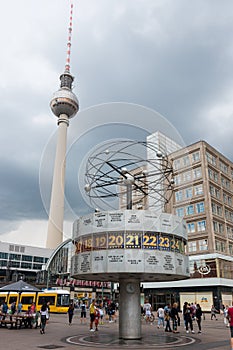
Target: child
<point x="97" y="316"/>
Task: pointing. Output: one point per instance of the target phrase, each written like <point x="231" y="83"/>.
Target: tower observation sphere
<point x="64" y="101"/>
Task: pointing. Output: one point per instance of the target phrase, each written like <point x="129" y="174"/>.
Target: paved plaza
<point x="59" y="335"/>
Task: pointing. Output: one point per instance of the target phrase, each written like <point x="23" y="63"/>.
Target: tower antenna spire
<point x="67" y="66"/>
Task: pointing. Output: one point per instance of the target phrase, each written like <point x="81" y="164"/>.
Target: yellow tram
<point x="58" y="299"/>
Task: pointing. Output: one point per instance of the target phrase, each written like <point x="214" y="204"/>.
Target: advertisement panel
<point x="205" y="299"/>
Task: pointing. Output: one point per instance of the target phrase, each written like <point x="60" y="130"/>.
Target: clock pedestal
<point x="130" y="309"/>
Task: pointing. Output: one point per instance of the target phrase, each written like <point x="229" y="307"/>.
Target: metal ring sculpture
<point x="131" y="171"/>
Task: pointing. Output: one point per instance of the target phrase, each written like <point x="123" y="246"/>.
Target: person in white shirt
<point x="147" y="310"/>
<point x="160" y="314"/>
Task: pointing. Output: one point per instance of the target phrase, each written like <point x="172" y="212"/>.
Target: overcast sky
<point x="171" y="56"/>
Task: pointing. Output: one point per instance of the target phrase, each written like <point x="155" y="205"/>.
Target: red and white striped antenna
<point x="67" y="66"/>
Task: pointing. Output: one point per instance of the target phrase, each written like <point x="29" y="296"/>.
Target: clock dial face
<point x="130" y="288"/>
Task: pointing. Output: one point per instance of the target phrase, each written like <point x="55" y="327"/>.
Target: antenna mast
<point x="67" y="66"/>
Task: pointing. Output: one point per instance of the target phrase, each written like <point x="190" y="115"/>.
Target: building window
<point x="197" y="173"/>
<point x="211" y="158"/>
<point x="219" y="210"/>
<point x="201" y="226"/>
<point x="223" y="167"/>
<point x="180" y="212"/>
<point x="15" y="264"/>
<point x="190" y="210"/>
<point x="198" y="190"/>
<point x="179" y="196"/>
<point x="37" y="267"/>
<point x="38" y="259"/>
<point x="220" y="246"/>
<point x="192" y="246"/>
<point x="191" y="227"/>
<point x="196" y="156"/>
<point x="26" y="258"/>
<point x="177" y="179"/>
<point x="186" y="160"/>
<point x="203" y="244"/>
<point x="15" y="257"/>
<point x="187" y="176"/>
<point x="3" y="263"/>
<point x="231" y="249"/>
<point x="3" y="255"/>
<point x="25" y="265"/>
<point x="200" y="207"/>
<point x="188" y="192"/>
<point x="177" y="164"/>
<point x="215" y="224"/>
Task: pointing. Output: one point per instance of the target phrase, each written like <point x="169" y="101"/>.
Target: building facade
<point x="203" y="196"/>
<point x="21" y="261"/>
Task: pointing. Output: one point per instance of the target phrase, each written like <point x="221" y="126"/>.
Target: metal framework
<point x="130" y="171"/>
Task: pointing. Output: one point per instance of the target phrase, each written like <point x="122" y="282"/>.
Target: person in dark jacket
<point x="174" y="317"/>
<point x="198" y="317"/>
<point x="188" y="317"/>
<point x="71" y="313"/>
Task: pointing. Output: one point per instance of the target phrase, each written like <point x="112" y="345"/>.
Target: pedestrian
<point x="13" y="308"/>
<point x="70" y="313"/>
<point x="97" y="316"/>
<point x="167" y="317"/>
<point x="83" y="318"/>
<point x="174" y="317"/>
<point x="213" y="312"/>
<point x="188" y="317"/>
<point x="92" y="315"/>
<point x="198" y="317"/>
<point x="19" y="308"/>
<point x="44" y="312"/>
<point x="147" y="310"/>
<point x="230" y="318"/>
<point x="225" y="314"/>
<point x="160" y="314"/>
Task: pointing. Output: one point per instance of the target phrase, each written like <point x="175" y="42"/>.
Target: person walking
<point x="70" y="313"/>
<point x="188" y="317"/>
<point x="167" y="317"/>
<point x="44" y="312"/>
<point x="83" y="317"/>
<point x="213" y="312"/>
<point x="147" y="310"/>
<point x="160" y="314"/>
<point x="174" y="317"/>
<point x="92" y="315"/>
<point x="198" y="317"/>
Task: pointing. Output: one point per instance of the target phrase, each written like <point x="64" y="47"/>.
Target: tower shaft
<point x="56" y="215"/>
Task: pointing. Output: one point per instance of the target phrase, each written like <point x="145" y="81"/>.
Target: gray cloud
<point x="172" y="56"/>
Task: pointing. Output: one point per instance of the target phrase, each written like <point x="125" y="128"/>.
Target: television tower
<point x="64" y="105"/>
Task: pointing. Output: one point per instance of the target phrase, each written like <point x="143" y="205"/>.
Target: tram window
<point x="47" y="299"/>
<point x="2" y="299"/>
<point x="27" y="300"/>
<point x="12" y="299"/>
<point x="63" y="300"/>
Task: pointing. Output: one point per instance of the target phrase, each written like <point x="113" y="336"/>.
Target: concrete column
<point x="129" y="309"/>
<point x="56" y="214"/>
